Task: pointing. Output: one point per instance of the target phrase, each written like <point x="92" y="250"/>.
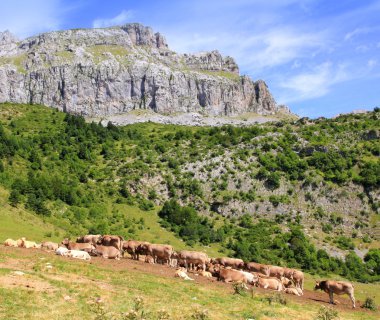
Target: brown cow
<point x="298" y="279"/>
<point x="89" y="238"/>
<point x="131" y="246"/>
<point x="337" y="287"/>
<point x="258" y="267"/>
<point x="276" y="272"/>
<point x="268" y="283"/>
<point x="48" y="245"/>
<point x="109" y="240"/>
<point x="107" y="252"/>
<point x="231" y="275"/>
<point x="77" y="246"/>
<point x="193" y="259"/>
<point x="229" y="262"/>
<point x="157" y="251"/>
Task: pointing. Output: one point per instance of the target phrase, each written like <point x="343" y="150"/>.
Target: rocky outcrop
<point x="103" y="72"/>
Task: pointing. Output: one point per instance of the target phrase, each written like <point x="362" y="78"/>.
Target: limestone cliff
<point x="103" y="72"/>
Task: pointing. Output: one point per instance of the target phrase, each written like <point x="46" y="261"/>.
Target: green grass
<point x="17" y="222"/>
<point x="118" y="287"/>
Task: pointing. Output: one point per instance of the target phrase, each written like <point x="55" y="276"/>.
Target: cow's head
<point x="65" y="242"/>
<point x="317" y="285"/>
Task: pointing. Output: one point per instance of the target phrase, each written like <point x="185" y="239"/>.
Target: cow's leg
<point x="331" y="294"/>
<point x="352" y="299"/>
<point x="204" y="267"/>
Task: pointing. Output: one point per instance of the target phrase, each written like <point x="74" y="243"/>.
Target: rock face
<point x="103" y="72"/>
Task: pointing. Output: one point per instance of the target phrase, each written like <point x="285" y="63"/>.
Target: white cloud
<point x="356" y="32"/>
<point x="123" y="17"/>
<point x="313" y="84"/>
<point x="28" y="17"/>
<point x="372" y="63"/>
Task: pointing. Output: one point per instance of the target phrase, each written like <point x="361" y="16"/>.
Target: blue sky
<point x="319" y="57"/>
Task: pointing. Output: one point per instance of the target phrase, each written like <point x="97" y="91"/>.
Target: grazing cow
<point x="109" y="240"/>
<point x="29" y="244"/>
<point x="268" y="283"/>
<point x="296" y="276"/>
<point x="78" y="254"/>
<point x="89" y="238"/>
<point x="294" y="291"/>
<point x="77" y="246"/>
<point x="229" y="262"/>
<point x="62" y="251"/>
<point x="193" y="259"/>
<point x="157" y="251"/>
<point x="48" y="245"/>
<point x="258" y="267"/>
<point x="131" y="246"/>
<point x="298" y="279"/>
<point x="149" y="259"/>
<point x="337" y="287"/>
<point x="181" y="273"/>
<point x="106" y="252"/>
<point x="276" y="272"/>
<point x="231" y="275"/>
<point x="10" y="243"/>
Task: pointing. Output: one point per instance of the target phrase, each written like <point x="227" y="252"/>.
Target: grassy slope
<point x="17" y="222"/>
<point x="83" y="282"/>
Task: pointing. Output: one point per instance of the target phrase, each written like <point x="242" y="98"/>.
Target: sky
<point x="321" y="58"/>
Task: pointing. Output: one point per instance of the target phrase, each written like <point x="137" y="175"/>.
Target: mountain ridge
<point x="115" y="70"/>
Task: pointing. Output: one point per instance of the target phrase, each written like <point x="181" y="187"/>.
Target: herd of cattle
<point x="225" y="269"/>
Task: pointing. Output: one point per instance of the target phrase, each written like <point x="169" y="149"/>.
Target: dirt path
<point x="128" y="264"/>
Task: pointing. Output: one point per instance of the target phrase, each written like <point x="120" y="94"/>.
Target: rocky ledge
<point x="113" y="71"/>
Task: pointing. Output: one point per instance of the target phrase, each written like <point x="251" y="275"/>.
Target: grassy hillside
<point x="267" y="193"/>
<point x="17" y="223"/>
<point x="70" y="289"/>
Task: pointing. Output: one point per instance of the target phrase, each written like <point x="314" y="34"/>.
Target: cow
<point x="276" y="272"/>
<point x="205" y="274"/>
<point x="294" y="291"/>
<point x="157" y="251"/>
<point x="77" y="246"/>
<point x="62" y="251"/>
<point x="257" y="267"/>
<point x="149" y="259"/>
<point x="107" y="252"/>
<point x="337" y="287"/>
<point x="131" y="246"/>
<point x="268" y="283"/>
<point x="298" y="279"/>
<point x="29" y="244"/>
<point x="89" y="238"/>
<point x="78" y="254"/>
<point x="181" y="273"/>
<point x="296" y="276"/>
<point x="48" y="245"/>
<point x="10" y="243"/>
<point x="232" y="275"/>
<point x="229" y="262"/>
<point x="110" y="240"/>
<point x="193" y="259"/>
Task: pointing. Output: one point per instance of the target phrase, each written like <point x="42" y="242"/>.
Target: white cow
<point x="77" y="254"/>
<point x="62" y="251"/>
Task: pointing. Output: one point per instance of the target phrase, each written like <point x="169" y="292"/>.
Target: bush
<point x="370" y="304"/>
<point x="325" y="313"/>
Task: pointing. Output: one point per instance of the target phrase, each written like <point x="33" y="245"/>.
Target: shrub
<point x="370" y="304"/>
<point x="325" y="313"/>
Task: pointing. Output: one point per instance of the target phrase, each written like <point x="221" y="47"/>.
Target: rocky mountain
<point x="105" y="72"/>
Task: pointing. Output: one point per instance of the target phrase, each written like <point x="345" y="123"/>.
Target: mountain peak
<point x="108" y="71"/>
